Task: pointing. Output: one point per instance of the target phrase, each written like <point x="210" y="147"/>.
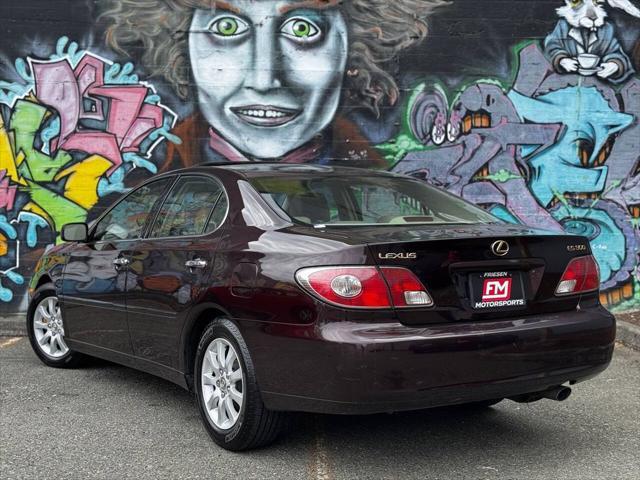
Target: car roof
<point x="263" y="169"/>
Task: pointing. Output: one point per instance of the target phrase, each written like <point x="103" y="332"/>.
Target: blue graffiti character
<point x="558" y="173"/>
<point x="586" y="116"/>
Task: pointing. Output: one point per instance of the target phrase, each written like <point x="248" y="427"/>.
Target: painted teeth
<point x="263" y="113"/>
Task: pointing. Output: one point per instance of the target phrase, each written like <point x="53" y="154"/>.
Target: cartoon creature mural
<point x="557" y="147"/>
<point x="585" y="42"/>
<point x="551" y="151"/>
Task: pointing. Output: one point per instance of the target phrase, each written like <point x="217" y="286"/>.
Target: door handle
<point x="195" y="263"/>
<point x="121" y="262"/>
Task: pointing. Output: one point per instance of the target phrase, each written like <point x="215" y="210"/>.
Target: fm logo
<point x="496" y="289"/>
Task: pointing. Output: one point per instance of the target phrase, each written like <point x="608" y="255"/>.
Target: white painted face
<point x="584" y="13"/>
<point x="268" y="73"/>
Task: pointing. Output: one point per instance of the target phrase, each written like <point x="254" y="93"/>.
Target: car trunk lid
<point x="481" y="271"/>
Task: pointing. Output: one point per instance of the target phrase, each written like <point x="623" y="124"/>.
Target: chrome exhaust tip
<point x="559" y="394"/>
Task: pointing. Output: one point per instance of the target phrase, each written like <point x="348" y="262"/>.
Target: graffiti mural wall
<point x="530" y="109"/>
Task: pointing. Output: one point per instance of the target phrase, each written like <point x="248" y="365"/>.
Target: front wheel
<point x="45" y="328"/>
<point x="227" y="392"/>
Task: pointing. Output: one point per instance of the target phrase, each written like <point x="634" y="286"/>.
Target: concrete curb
<point x="628" y="330"/>
<point x="628" y="333"/>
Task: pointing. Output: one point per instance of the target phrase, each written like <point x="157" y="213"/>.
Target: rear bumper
<point x="356" y="368"/>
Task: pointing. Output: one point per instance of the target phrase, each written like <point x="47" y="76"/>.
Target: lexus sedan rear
<point x="268" y="288"/>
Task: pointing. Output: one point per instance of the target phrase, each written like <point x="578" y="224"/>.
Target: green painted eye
<point x="228" y="26"/>
<point x="301" y="30"/>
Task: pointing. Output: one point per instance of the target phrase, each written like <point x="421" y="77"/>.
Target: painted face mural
<point x="268" y="74"/>
<point x="537" y="122"/>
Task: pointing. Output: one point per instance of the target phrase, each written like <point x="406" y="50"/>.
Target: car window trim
<point x="122" y="199"/>
<point x="210" y="216"/>
<point x="153" y="215"/>
<point x="178" y="237"/>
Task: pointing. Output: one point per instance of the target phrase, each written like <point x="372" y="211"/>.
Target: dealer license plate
<point x="497" y="290"/>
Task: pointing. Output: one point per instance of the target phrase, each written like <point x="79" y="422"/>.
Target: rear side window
<point x="190" y="208"/>
<point x="127" y="219"/>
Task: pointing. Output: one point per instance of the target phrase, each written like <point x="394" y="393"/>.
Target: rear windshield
<point x="364" y="200"/>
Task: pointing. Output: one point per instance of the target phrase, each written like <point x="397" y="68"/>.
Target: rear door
<point x="95" y="277"/>
<point x="170" y="266"/>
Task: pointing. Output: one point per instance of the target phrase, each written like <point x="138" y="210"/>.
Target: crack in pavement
<point x="320" y="465"/>
<point x="10" y="341"/>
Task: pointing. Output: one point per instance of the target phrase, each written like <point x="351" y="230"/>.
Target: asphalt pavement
<point x="110" y="422"/>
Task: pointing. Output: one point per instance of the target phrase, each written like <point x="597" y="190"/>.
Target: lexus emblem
<point x="500" y="248"/>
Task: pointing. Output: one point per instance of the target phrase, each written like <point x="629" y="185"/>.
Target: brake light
<point x="359" y="287"/>
<point x="364" y="287"/>
<point x="581" y="275"/>
<point x="405" y="288"/>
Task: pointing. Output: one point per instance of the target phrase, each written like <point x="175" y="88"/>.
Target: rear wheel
<point x="45" y="327"/>
<point x="227" y="392"/>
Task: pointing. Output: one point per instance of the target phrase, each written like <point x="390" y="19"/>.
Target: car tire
<point x="45" y="328"/>
<point x="234" y="423"/>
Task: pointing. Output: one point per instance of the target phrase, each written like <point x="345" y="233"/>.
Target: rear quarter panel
<point x="254" y="274"/>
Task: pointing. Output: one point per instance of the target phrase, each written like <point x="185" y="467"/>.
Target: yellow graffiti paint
<point x="82" y="180"/>
<point x="37" y="210"/>
<point x="4" y="245"/>
<point x="8" y="161"/>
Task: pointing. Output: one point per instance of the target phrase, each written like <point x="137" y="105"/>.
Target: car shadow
<point x="442" y="424"/>
<point x="425" y="433"/>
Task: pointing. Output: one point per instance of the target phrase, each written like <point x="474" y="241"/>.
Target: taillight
<point x="365" y="287"/>
<point x="581" y="275"/>
<point x="406" y="290"/>
<point x="360" y="287"/>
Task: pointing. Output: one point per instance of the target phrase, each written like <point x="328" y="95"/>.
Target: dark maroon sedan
<point x="268" y="288"/>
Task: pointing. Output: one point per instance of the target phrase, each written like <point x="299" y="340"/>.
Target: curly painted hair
<point x="379" y="31"/>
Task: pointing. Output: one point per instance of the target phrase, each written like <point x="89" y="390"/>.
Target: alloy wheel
<point x="48" y="328"/>
<point x="222" y="382"/>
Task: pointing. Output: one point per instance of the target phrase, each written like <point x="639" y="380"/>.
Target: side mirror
<point x="75" y="232"/>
